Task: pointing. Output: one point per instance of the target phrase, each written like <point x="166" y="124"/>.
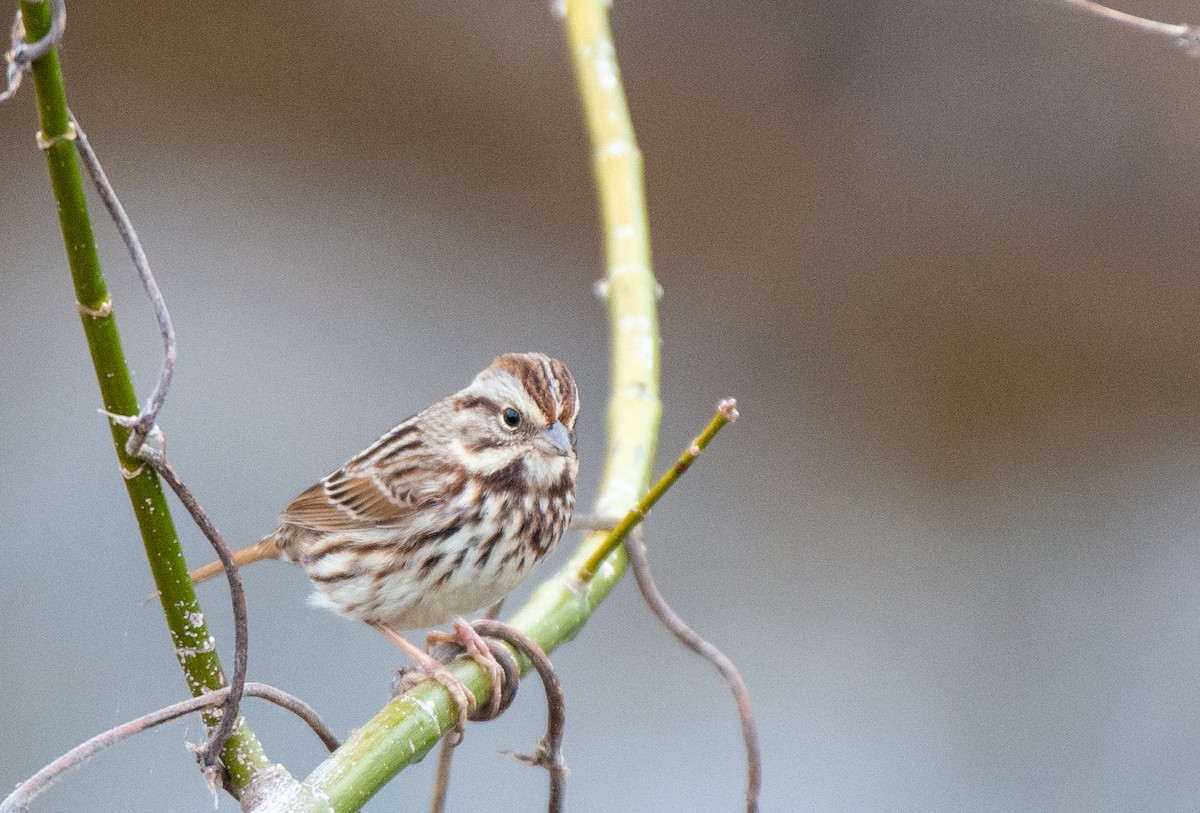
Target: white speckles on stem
<point x="625" y="232"/>
<point x="643" y="348"/>
<point x="616" y="148"/>
<point x="191" y="634"/>
<point x="607" y="570"/>
<point x="634" y="322"/>
<point x="605" y="65"/>
<point x="196" y="619"/>
<point x="185" y="652"/>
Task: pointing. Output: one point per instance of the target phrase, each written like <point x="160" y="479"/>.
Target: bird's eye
<point x="512" y="418"/>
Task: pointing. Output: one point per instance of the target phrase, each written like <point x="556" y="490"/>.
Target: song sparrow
<point x="443" y="515"/>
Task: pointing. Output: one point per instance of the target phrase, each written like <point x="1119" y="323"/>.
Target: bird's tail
<point x="266" y="548"/>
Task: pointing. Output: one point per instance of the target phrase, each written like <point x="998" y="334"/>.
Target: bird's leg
<point x="430" y="668"/>
<point x="441" y="785"/>
<point x="465" y="636"/>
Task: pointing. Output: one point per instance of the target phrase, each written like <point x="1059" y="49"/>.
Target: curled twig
<point x="210" y="753"/>
<point x="144" y="426"/>
<point x="36" y="785"/>
<point x="1186" y="37"/>
<point x="441" y="784"/>
<point x="549" y="751"/>
<point x="636" y="546"/>
<point x="21" y="54"/>
<point x="140" y="425"/>
<point x="296" y="706"/>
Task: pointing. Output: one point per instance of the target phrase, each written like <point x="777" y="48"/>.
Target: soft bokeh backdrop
<point x="944" y="253"/>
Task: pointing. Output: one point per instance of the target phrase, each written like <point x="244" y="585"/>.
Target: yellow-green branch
<point x="405" y="730"/>
<point x="726" y="413"/>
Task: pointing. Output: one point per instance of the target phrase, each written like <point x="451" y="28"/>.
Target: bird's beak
<point x="555" y="440"/>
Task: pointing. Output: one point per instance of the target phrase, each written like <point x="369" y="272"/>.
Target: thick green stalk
<point x="634" y="410"/>
<point x="405" y="730"/>
<point x="194" y="647"/>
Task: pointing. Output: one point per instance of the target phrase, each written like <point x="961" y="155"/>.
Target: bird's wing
<point x="381" y="488"/>
<point x="344" y="503"/>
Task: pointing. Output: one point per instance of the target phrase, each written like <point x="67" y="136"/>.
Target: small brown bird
<point x="443" y="515"/>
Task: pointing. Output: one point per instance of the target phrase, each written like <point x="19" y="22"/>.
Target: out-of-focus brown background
<point x="945" y="254"/>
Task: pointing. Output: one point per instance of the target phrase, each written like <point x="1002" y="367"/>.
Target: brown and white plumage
<point x="450" y="510"/>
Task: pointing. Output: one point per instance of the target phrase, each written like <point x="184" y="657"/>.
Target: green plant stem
<point x="634" y="410"/>
<point x="726" y="413"/>
<point x="194" y="647"/>
<point x="405" y="730"/>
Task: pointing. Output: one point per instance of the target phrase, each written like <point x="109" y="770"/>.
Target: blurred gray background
<point x="944" y="253"/>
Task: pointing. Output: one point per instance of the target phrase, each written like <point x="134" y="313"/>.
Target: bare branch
<point x="296" y="706"/>
<point x="1186" y="37"/>
<point x="142" y="423"/>
<point x="640" y="563"/>
<point x="18" y="801"/>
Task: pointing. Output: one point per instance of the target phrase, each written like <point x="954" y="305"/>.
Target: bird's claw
<point x="464" y="700"/>
<point x="477" y="648"/>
